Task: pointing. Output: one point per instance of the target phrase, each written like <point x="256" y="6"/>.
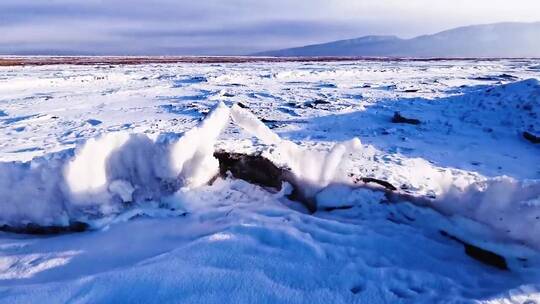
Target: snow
<point x="344" y="196"/>
<point x="163" y="228"/>
<point x="192" y="157"/>
<point x="107" y="171"/>
<point x="502" y="203"/>
<point x="313" y="170"/>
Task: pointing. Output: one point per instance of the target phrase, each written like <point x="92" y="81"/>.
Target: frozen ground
<point x="105" y="145"/>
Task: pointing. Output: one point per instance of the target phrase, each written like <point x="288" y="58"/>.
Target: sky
<point x="230" y="27"/>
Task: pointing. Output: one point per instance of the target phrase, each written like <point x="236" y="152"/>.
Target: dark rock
<point x="383" y="183"/>
<point x="527" y="107"/>
<point x="508" y="76"/>
<point x="320" y="101"/>
<point x="317" y="102"/>
<point x="254" y="169"/>
<point x="484" y="256"/>
<point x="500" y="77"/>
<point x="356" y="289"/>
<point x="258" y="170"/>
<point x="397" y="118"/>
<point x="531" y="137"/>
<point x="329" y="209"/>
<point x="45" y="230"/>
<point x="241" y="105"/>
<point x="272" y="124"/>
<point x="327" y="85"/>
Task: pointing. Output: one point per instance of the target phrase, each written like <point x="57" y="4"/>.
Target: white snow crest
<point x="254" y="126"/>
<point x="313" y="169"/>
<point x="192" y="156"/>
<point x="506" y="204"/>
<point x="87" y="171"/>
<point x="31" y="193"/>
<point x="118" y="168"/>
<point x="107" y="172"/>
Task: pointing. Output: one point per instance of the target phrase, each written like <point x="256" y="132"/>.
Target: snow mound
<point x="313" y="170"/>
<point x="107" y="173"/>
<point x="342" y="196"/>
<point x="515" y="104"/>
<point x="505" y="204"/>
<point x="508" y="205"/>
<point x="120" y="169"/>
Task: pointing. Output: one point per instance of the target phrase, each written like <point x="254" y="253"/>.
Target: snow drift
<point x="117" y="170"/>
<point x="107" y="173"/>
<point x="510" y="206"/>
<point x="120" y="169"/>
<point x="313" y="170"/>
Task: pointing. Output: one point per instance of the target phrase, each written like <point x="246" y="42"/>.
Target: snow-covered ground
<point x="128" y="151"/>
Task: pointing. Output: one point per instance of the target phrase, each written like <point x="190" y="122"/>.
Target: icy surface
<point x="128" y="149"/>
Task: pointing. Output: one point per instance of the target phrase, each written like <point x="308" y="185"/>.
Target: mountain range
<point x="510" y="39"/>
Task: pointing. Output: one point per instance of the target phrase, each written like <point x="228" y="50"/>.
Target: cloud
<point x="167" y="27"/>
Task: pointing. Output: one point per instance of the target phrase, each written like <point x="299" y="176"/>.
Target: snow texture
<point x="107" y="172"/>
<point x="129" y="150"/>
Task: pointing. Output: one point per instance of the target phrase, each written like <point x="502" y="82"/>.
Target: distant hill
<point x="490" y="40"/>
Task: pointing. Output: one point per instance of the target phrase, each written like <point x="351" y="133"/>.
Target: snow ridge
<point x="117" y="170"/>
<point x="107" y="172"/>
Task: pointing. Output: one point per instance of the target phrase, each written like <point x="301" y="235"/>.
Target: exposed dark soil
<point x="131" y="60"/>
<point x="531" y="137"/>
<point x="482" y="255"/>
<point x="398" y="118"/>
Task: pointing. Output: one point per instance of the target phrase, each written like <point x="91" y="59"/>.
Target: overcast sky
<point x="213" y="27"/>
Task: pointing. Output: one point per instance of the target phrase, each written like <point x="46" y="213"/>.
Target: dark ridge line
<point x="482" y="255"/>
<point x="35" y="229"/>
<point x="138" y="60"/>
<point x="398" y="118"/>
<point x="385" y="184"/>
<point x="531" y="137"/>
<point x="258" y="170"/>
<point x="254" y="169"/>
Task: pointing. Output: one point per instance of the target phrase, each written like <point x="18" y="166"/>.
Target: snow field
<point x="129" y="150"/>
